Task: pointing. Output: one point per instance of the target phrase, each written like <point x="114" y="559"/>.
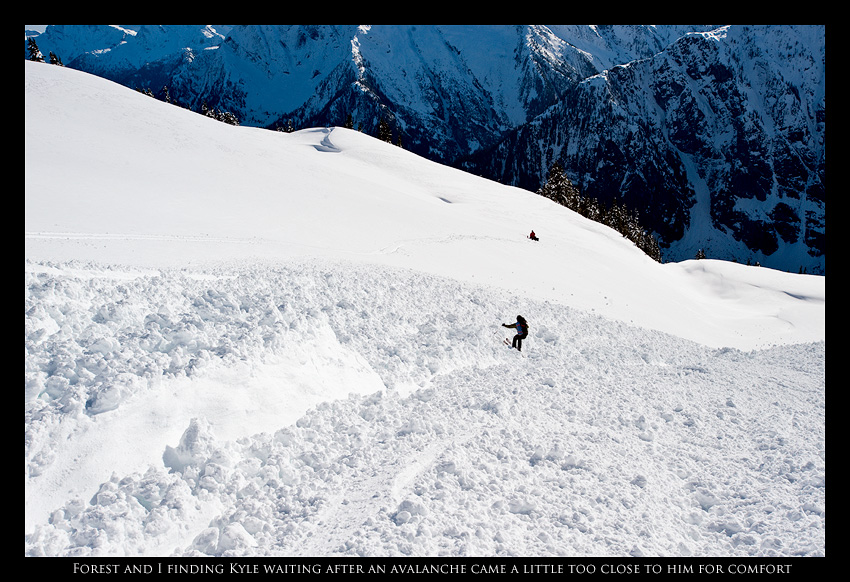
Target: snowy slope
<point x="713" y="134"/>
<point x="243" y="342"/>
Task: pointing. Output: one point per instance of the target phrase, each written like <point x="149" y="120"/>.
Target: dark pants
<point x="517" y="343"/>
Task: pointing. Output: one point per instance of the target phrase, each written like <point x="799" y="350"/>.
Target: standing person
<point x="521" y="327"/>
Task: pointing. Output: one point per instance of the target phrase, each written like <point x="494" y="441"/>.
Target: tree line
<point x="560" y="189"/>
<point x="206" y="111"/>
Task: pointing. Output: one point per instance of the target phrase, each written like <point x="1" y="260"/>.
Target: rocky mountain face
<point x="717" y="140"/>
<point x="714" y="134"/>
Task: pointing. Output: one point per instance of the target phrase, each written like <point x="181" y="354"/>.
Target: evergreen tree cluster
<point x="286" y="128"/>
<point x="34" y="54"/>
<point x="218" y="114"/>
<point x="560" y="189"/>
<point x="385" y="132"/>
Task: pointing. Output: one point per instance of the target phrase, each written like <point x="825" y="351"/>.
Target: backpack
<point x="522" y="325"/>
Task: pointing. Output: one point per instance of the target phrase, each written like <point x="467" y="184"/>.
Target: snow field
<point x="240" y="342"/>
<point x="402" y="426"/>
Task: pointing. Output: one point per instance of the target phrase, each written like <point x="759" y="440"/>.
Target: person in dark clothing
<point x="533" y="236"/>
<point x="521" y="327"/>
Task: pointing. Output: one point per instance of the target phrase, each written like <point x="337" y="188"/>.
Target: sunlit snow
<point x="241" y="342"/>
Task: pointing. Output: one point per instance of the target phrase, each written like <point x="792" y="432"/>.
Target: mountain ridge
<point x="714" y="134"/>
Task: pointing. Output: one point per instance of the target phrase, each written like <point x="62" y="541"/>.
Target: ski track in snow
<point x="605" y="439"/>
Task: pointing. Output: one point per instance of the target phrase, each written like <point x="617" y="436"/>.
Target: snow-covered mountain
<point x="714" y="134"/>
<point x="717" y="140"/>
<point x="241" y="342"/>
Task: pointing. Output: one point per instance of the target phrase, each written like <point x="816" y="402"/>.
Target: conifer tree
<point x="34" y="53"/>
<point x="384" y="131"/>
<point x="560" y="189"/>
<point x="287" y="128"/>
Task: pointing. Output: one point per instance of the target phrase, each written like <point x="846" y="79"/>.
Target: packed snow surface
<point x="249" y="343"/>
